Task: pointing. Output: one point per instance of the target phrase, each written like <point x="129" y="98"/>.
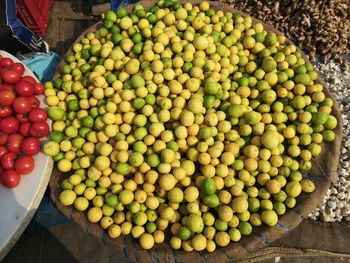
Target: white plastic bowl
<point x="18" y="205"/>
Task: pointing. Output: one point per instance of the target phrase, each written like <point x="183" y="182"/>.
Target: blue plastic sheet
<point x="115" y="4"/>
<point x="43" y="64"/>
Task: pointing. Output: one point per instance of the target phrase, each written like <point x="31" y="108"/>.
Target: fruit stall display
<point x="191" y="122"/>
<point x="24" y="170"/>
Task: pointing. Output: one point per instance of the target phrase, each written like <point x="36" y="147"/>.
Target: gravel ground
<point x="336" y="204"/>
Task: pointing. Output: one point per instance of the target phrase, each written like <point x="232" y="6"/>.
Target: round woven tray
<point x="322" y="174"/>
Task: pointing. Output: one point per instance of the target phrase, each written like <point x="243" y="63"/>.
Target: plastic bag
<point x="115" y="4"/>
<point x="42" y="64"/>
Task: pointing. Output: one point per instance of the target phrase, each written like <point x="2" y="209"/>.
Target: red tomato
<point x="2" y="151"/>
<point x="37" y="114"/>
<point x="22" y="117"/>
<point x="34" y="101"/>
<point x="8" y="160"/>
<point x="24" y="165"/>
<point x="39" y="89"/>
<point x="24" y="129"/>
<point x="29" y="79"/>
<point x="6" y="98"/>
<point x="39" y="129"/>
<point x="22" y="105"/>
<point x="5" y="111"/>
<point x="6" y="62"/>
<point x="3" y="138"/>
<point x="30" y="146"/>
<point x="9" y="178"/>
<point x="19" y="67"/>
<point x="11" y="75"/>
<point x="24" y="88"/>
<point x="14" y="143"/>
<point x="7" y="87"/>
<point x="9" y="125"/>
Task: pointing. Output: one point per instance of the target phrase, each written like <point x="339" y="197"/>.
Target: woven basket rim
<point x="261" y="237"/>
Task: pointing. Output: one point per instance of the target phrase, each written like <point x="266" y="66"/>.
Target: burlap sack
<point x="323" y="174"/>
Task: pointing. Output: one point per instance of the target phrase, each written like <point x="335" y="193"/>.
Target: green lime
<point x="211" y="201"/>
<point x="208" y="186"/>
<point x="56" y="136"/>
<point x="303" y="78"/>
<point x="107" y="23"/>
<point x="87" y="121"/>
<point x="123" y="168"/>
<point x="83" y="131"/>
<point x="56" y="113"/>
<point x="259" y="37"/>
<point x="110" y="15"/>
<point x="153" y="9"/>
<point x="243" y="60"/>
<point x="85" y="54"/>
<point x="210" y="12"/>
<point x="73" y="105"/>
<point x="220" y="225"/>
<point x="243" y="81"/>
<point x="279" y="208"/>
<point x="187" y="67"/>
<point x="254" y="204"/>
<point x="95" y="50"/>
<point x="70" y="58"/>
<point x="100" y="61"/>
<point x="137" y="81"/>
<point x="112" y="201"/>
<point x="152" y="18"/>
<point x="208" y="101"/>
<point x="50" y="84"/>
<point x="140" y="218"/>
<point x="167" y="3"/>
<point x="137" y="49"/>
<point x="140" y="13"/>
<point x="151" y="227"/>
<point x="319" y="118"/>
<point x="150" y="99"/>
<point x="184" y="233"/>
<point x="331" y="122"/>
<point x="66" y="69"/>
<point x="245" y="228"/>
<point x="175" y="6"/>
<point x="298" y="102"/>
<point x="139" y="103"/>
<point x="111" y="78"/>
<point x="153" y="160"/>
<point x="78" y="142"/>
<point x="103" y="31"/>
<point x="300" y="69"/>
<point x="58" y="157"/>
<point x="269" y="64"/>
<point x="114" y="29"/>
<point x="328" y="135"/>
<point x="270" y="39"/>
<point x="136" y="38"/>
<point x="238" y="165"/>
<point x="121" y="12"/>
<point x="117" y="38"/>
